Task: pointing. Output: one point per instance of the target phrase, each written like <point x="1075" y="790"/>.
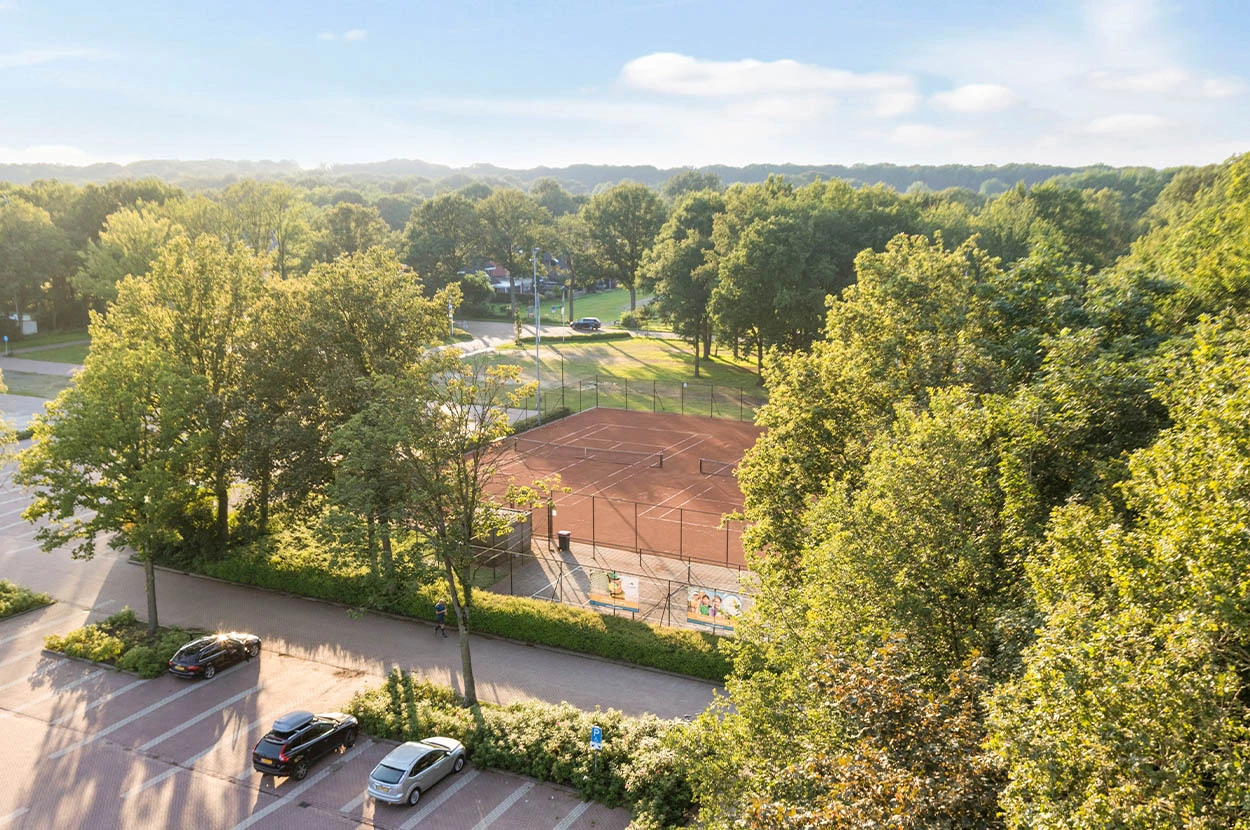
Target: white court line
<point x="287" y="797"/>
<point x="430" y="807"/>
<point x="39" y="673"/>
<point x="141" y="713"/>
<point x="60" y="689"/>
<point x="573" y="816"/>
<point x="505" y="805"/>
<point x="100" y="701"/>
<point x="182" y="726"/>
<point x="21" y="656"/>
<point x="13" y="815"/>
<point x="190" y="762"/>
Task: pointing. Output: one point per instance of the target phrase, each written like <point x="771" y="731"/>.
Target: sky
<point x="663" y="82"/>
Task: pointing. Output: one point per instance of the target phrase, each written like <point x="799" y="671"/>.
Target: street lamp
<point x="537" y="340"/>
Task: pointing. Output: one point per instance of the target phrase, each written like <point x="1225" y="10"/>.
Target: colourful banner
<point x="705" y="606"/>
<point x="609" y="589"/>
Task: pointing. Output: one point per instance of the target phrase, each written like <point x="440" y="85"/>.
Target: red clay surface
<point x="673" y="510"/>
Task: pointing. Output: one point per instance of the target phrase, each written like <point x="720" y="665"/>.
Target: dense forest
<point x="999" y="516"/>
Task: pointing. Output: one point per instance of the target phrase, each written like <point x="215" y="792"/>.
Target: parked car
<point x="413" y="767"/>
<point x="299" y="738"/>
<point x="206" y="656"/>
<point x="586" y="324"/>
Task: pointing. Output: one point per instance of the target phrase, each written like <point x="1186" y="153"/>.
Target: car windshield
<point x="387" y="775"/>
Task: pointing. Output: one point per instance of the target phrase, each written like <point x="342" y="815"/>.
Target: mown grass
<point x="75" y="353"/>
<point x="35" y="385"/>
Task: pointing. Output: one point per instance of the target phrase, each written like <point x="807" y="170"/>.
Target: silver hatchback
<point x="413" y="767"/>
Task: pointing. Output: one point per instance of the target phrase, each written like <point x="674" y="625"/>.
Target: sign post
<point x="596" y="743"/>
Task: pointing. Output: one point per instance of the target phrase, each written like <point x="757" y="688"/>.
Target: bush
<point x="637" y="765"/>
<point x="90" y="643"/>
<point x="123" y="642"/>
<point x="14" y="599"/>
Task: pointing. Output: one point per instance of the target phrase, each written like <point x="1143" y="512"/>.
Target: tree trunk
<point x="264" y="497"/>
<point x="149" y="586"/>
<point x="696" y="357"/>
<point x="388" y="560"/>
<point x="759" y="359"/>
<point x="633" y="298"/>
<point x="462" y="629"/>
<point x="223" y="514"/>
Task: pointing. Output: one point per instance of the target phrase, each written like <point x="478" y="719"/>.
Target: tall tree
<point x="622" y="222"/>
<point x="130" y="240"/>
<point x="513" y="225"/>
<point x="116" y="454"/>
<point x="347" y="228"/>
<point x="443" y="237"/>
<point x="33" y="252"/>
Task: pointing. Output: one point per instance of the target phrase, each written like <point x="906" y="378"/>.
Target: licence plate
<point x="382" y="789"/>
<point x="267" y="761"/>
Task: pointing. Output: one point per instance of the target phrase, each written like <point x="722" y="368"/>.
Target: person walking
<point x="440" y="617"/>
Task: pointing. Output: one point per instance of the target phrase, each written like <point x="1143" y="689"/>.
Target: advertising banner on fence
<point x="706" y="606"/>
<point x="609" y="589"/>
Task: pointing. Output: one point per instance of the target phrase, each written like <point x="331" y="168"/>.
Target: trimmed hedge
<point x="637" y="765"/>
<point x="122" y="641"/>
<point x="14" y="599"/>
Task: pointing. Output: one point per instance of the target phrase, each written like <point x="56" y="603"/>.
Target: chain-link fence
<point x="673" y="397"/>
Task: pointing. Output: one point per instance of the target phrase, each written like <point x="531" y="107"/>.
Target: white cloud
<point x="976" y="98"/>
<point x="34" y="57"/>
<point x="354" y="34"/>
<point x="1127" y="124"/>
<point x="889" y="104"/>
<point x="926" y="134"/>
<point x="56" y="154"/>
<point x="673" y="74"/>
<point x="326" y="36"/>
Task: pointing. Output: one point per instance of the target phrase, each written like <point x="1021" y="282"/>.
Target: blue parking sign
<point x="596" y="738"/>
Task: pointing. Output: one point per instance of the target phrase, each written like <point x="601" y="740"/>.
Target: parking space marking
<point x="100" y="701"/>
<point x="21" y="656"/>
<point x="15" y="814"/>
<point x="307" y="783"/>
<point x="355" y="802"/>
<point x="108" y="730"/>
<point x="573" y="816"/>
<point x="181" y="727"/>
<point x="429" y="808"/>
<point x="44" y="624"/>
<point x="504" y="806"/>
<point x="60" y="689"/>
<point x="189" y="763"/>
<point x="39" y="673"/>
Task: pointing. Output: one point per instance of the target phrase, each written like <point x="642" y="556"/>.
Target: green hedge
<point x="122" y="641"/>
<point x="637" y="765"/>
<point x="14" y="599"/>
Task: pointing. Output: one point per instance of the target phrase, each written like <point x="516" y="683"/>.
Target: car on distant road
<point x="299" y="738"/>
<point x="586" y="324"/>
<point x="413" y="767"/>
<point x="208" y="655"/>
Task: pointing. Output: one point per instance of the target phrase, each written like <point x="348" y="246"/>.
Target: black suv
<point x="206" y="656"/>
<point x="586" y="324"/>
<point x="299" y="738"/>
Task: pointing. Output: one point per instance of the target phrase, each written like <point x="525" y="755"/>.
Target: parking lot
<point x="92" y="747"/>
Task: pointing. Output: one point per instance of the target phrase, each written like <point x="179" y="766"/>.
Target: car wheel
<point x="459" y="765"/>
<point x="209" y="671"/>
<point x="253" y="650"/>
<point x="414" y="796"/>
<point x="301" y="770"/>
<point x="349" y="739"/>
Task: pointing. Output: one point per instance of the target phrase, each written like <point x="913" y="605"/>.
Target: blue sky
<point x="663" y="82"/>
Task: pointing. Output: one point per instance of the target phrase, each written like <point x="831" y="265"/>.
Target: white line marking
<point x="21" y="656"/>
<point x="64" y="688"/>
<point x="44" y="624"/>
<point x="141" y="713"/>
<point x="39" y="673"/>
<point x="189" y="763"/>
<point x="181" y="727"/>
<point x="287" y="797"/>
<point x="99" y="702"/>
<point x="431" y="806"/>
<point x="355" y="802"/>
<point x="573" y="816"/>
<point x="504" y="806"/>
<point x="13" y="815"/>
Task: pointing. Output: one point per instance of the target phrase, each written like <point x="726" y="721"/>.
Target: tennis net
<point x="577" y="452"/>
<point x="712" y="467"/>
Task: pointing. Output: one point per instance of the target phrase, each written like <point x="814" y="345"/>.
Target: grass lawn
<point x="35" y="386"/>
<point x="72" y="353"/>
<point x="50" y="339"/>
<point x="633" y="358"/>
<point x="606" y="305"/>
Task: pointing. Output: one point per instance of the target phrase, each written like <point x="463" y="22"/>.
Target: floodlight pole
<point x="537" y="340"/>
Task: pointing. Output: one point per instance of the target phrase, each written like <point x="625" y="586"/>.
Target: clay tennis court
<point x="651" y="482"/>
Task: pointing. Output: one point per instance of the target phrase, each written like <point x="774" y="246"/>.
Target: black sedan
<point x="586" y="324"/>
<point x="208" y="655"/>
<point x="299" y="738"/>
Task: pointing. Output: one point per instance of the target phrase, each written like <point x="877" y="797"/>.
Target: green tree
<point x="512" y="226"/>
<point x="622" y="222"/>
<point x="684" y="281"/>
<point x="116" y="454"/>
<point x="130" y="240"/>
<point x="270" y="217"/>
<point x="443" y="237"/>
<point x="690" y="181"/>
<point x="547" y="193"/>
<point x="33" y="253"/>
<point x="347" y="228"/>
